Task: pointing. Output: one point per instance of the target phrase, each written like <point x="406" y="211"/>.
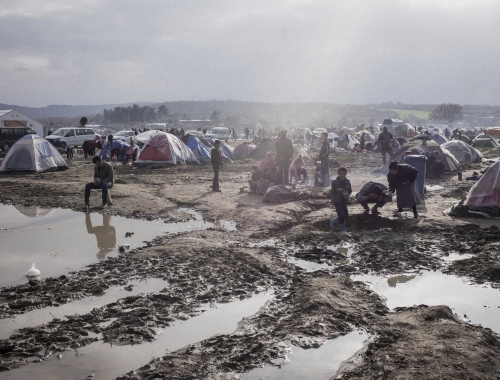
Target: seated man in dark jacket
<point x="256" y="176"/>
<point x="373" y="192"/>
<point x="435" y="165"/>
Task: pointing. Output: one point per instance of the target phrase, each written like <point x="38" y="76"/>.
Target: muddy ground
<point x="210" y="266"/>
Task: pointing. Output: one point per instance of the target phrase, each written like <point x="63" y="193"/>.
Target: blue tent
<point x="118" y="146"/>
<point x="200" y="150"/>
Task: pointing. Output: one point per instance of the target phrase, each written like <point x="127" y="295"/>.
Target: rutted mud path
<point x="203" y="268"/>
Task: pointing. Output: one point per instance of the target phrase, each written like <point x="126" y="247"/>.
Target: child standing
<point x="216" y="159"/>
<point x="341" y="189"/>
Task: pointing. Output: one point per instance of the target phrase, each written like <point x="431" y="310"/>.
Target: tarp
<point x="463" y="152"/>
<point x="200" y="150"/>
<point x="166" y="148"/>
<point x="418" y="147"/>
<point x="281" y="194"/>
<point x="298" y="149"/>
<point x="260" y="151"/>
<point x="34" y="154"/>
<point x="243" y="150"/>
<point x="486" y="191"/>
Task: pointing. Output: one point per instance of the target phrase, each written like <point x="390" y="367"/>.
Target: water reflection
<point x="32" y="212"/>
<point x="105" y="235"/>
<point x="401" y="279"/>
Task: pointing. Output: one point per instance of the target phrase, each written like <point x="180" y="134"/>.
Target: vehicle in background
<point x="73" y="136"/>
<point x="9" y="136"/>
<point x="124" y="136"/>
<point x="194" y="133"/>
<point x="219" y="133"/>
<point x="391" y="123"/>
<point x="319" y="131"/>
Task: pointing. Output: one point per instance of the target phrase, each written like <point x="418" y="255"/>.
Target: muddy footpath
<point x="315" y="285"/>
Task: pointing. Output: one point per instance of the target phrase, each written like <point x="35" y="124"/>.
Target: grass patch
<point x="121" y="181"/>
<point x="402" y="114"/>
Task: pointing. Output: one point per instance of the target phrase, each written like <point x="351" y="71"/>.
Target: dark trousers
<point x="215" y="183"/>
<point x="437" y="169"/>
<point x="300" y="171"/>
<point x="325" y="169"/>
<point x="384" y="152"/>
<point x="283" y="169"/>
<point x="378" y="204"/>
<point x="341" y="209"/>
<point x="104" y="186"/>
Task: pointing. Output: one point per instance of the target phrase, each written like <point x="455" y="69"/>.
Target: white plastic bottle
<point x="402" y="214"/>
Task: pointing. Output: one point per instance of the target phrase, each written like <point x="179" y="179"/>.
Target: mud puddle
<point x="83" y="306"/>
<point x="105" y="361"/>
<point x="61" y="241"/>
<point x="313" y="363"/>
<point x="478" y="304"/>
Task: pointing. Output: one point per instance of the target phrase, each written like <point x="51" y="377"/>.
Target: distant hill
<point x="64" y="110"/>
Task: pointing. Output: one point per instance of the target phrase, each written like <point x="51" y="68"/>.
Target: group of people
<point x="401" y="179"/>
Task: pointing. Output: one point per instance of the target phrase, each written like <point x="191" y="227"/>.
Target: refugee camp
<point x="267" y="190"/>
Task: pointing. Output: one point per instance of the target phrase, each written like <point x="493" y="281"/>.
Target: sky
<point x="91" y="52"/>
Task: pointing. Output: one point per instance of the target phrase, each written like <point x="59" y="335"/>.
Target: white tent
<point x="12" y="118"/>
<point x="34" y="154"/>
<point x="463" y="152"/>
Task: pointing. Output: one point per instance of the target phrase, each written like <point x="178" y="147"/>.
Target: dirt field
<point x="308" y="307"/>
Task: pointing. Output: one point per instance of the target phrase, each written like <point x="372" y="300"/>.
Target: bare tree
<point x="446" y="113"/>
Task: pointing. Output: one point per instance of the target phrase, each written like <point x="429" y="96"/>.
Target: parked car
<point x="64" y="137"/>
<point x="219" y="133"/>
<point x="194" y="133"/>
<point x="9" y="135"/>
<point x="124" y="136"/>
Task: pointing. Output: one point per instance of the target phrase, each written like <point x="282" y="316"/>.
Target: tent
<point x="32" y="212"/>
<point x="117" y="145"/>
<point x="166" y="148"/>
<point x="485" y="140"/>
<point x="226" y="150"/>
<point x="425" y="148"/>
<point x="439" y="138"/>
<point x="243" y="150"/>
<point x="260" y="151"/>
<point x="486" y="191"/>
<point x="463" y="152"/>
<point x="495" y="132"/>
<point x="33" y="154"/>
<point x="200" y="150"/>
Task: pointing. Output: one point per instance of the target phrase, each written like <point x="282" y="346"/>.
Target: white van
<point x="76" y="136"/>
<point x="219" y="133"/>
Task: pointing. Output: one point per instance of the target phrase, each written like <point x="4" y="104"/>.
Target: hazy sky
<point x="339" y="51"/>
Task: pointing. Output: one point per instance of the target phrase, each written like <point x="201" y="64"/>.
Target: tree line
<point x="135" y="113"/>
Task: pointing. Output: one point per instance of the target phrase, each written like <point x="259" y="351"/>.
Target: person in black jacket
<point x="401" y="177"/>
<point x="284" y="155"/>
<point x="216" y="159"/>
<point x="341" y="189"/>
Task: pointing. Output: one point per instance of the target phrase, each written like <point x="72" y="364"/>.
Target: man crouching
<point x="103" y="179"/>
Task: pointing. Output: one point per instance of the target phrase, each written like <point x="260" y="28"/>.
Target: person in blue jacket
<point x="341" y="189"/>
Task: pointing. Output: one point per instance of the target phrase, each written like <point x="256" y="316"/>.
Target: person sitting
<point x="372" y="192"/>
<point x="103" y="179"/>
<point x="357" y="148"/>
<point x="436" y="167"/>
<point x="268" y="179"/>
<point x="298" y="168"/>
<point x="269" y="162"/>
<point x="256" y="176"/>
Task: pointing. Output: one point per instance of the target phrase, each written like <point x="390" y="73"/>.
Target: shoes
<point x="416" y="216"/>
<point x="216" y="190"/>
<point x="102" y="207"/>
<point x="109" y="202"/>
<point x="342" y="228"/>
<point x="375" y="212"/>
<point x="86" y="208"/>
<point x="366" y="212"/>
<point x="333" y="222"/>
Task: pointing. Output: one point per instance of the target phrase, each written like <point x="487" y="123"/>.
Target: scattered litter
<point x="33" y="272"/>
<point x="434" y="188"/>
<point x="128" y="234"/>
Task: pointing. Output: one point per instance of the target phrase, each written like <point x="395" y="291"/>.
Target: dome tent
<point x="266" y="145"/>
<point x="463" y="152"/>
<point x="34" y="154"/>
<point x="486" y="191"/>
<point x="200" y="150"/>
<point x="226" y="150"/>
<point x="243" y="150"/>
<point x="165" y="148"/>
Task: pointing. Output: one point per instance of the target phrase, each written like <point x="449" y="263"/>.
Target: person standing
<point x="103" y="179"/>
<point x="402" y="177"/>
<point x="362" y="141"/>
<point x="384" y="140"/>
<point x="324" y="157"/>
<point x="216" y="159"/>
<point x="341" y="189"/>
<point x="284" y="155"/>
<point x="247" y="133"/>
